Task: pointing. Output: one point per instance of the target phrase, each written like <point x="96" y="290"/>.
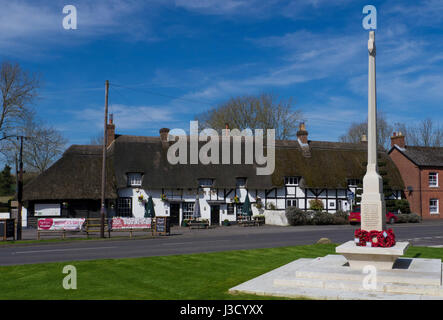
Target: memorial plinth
<point x="381" y="258"/>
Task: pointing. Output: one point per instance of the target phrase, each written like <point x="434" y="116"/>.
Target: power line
<point x="164" y="95"/>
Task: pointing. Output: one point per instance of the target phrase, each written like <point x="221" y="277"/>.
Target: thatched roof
<point x="330" y="165"/>
<point x="76" y="175"/>
<point x="149" y="156"/>
<point x="326" y="165"/>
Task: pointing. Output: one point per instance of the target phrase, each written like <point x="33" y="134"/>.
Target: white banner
<point x="122" y="223"/>
<point x="59" y="224"/>
<point x="47" y="209"/>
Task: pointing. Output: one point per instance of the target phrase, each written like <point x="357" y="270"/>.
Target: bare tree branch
<point x="254" y="112"/>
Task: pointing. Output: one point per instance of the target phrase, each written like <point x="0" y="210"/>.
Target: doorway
<point x="215" y="214"/>
<point x="175" y="213"/>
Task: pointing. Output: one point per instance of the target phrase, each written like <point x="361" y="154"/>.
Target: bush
<point x="341" y="217"/>
<point x="322" y="218"/>
<point x="413" y="218"/>
<point x="296" y="216"/>
<point x="396" y="205"/>
<point x="316" y="205"/>
<point x="408" y="218"/>
<point x="271" y="206"/>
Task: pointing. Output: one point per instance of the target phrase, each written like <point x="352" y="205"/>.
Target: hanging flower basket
<point x="141" y="198"/>
<point x="258" y="203"/>
<point x="236" y="199"/>
<point x="163" y="197"/>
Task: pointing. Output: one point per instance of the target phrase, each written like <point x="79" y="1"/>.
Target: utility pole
<point x="105" y="139"/>
<point x="20" y="190"/>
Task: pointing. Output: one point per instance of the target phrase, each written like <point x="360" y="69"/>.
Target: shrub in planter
<point x="226" y="222"/>
<point x="270" y="206"/>
<point x="296" y="216"/>
<point x="185" y="223"/>
<point x="316" y="205"/>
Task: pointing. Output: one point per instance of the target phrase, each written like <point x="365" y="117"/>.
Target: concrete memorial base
<point x="381" y="258"/>
<point x="330" y="277"/>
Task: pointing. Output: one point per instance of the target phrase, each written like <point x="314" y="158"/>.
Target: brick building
<point x="421" y="169"/>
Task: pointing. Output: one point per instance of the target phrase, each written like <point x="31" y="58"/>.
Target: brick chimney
<point x="398" y="139"/>
<point x="110" y="131"/>
<point x="164" y="134"/>
<point x="302" y="134"/>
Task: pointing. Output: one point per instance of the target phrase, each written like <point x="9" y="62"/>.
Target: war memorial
<point x="370" y="265"/>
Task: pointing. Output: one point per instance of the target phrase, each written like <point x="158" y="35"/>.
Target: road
<point x="185" y="241"/>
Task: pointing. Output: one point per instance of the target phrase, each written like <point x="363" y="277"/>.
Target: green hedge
<point x="297" y="217"/>
<point x="408" y="218"/>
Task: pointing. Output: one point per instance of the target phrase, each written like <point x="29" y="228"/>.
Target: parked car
<point x="355" y="217"/>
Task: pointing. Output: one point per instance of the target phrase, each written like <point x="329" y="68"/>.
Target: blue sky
<point x="169" y="60"/>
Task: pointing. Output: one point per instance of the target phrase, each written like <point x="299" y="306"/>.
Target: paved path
<point x="183" y="241"/>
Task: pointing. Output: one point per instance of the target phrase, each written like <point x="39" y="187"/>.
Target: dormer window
<point x="291" y="181"/>
<point x="240" y="182"/>
<point x="354" y="182"/>
<point x="134" y="179"/>
<point x="206" y="183"/>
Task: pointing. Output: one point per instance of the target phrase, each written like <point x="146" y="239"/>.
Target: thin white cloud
<point x="126" y="117"/>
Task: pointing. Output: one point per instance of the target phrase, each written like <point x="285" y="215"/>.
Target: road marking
<point x="192" y="242"/>
<point x="54" y="250"/>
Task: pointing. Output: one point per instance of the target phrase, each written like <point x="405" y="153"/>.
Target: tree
<point x="265" y="111"/>
<point x="18" y="90"/>
<point x="97" y="140"/>
<point x="41" y="147"/>
<point x="357" y="129"/>
<point x="44" y="145"/>
<point x="7" y="182"/>
<point x="426" y="133"/>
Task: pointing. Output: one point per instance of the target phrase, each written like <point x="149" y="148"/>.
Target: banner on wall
<point x="122" y="223"/>
<point x="59" y="224"/>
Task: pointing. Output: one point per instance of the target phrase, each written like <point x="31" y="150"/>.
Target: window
<point x="291" y="203"/>
<point x="188" y="210"/>
<point x="205" y="182"/>
<point x="240" y="182"/>
<point x="291" y="181"/>
<point x="230" y="209"/>
<point x="433" y="206"/>
<point x="433" y="179"/>
<point x="239" y="207"/>
<point x="124" y="207"/>
<point x="134" y="179"/>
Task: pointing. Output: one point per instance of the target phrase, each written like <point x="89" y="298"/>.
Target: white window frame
<point x="135" y="179"/>
<point x="292" y="181"/>
<point x="435" y="174"/>
<point x="188" y="210"/>
<point x="436" y="206"/>
<point x="291" y="203"/>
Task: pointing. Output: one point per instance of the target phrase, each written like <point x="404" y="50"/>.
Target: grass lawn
<point x="194" y="276"/>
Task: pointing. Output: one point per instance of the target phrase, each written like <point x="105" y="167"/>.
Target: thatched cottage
<point x="138" y="168"/>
